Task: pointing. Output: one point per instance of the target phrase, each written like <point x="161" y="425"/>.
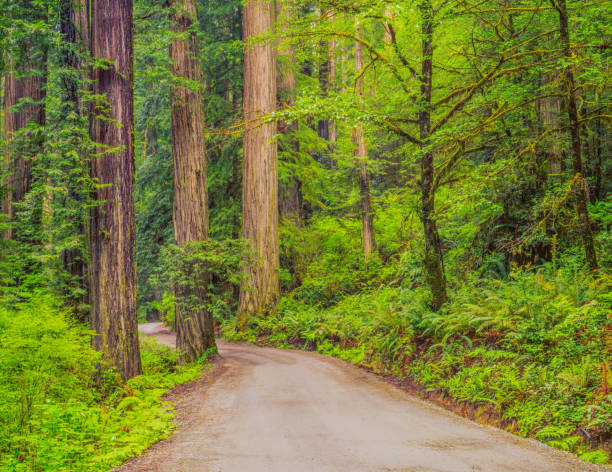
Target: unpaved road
<point x="270" y="410"/>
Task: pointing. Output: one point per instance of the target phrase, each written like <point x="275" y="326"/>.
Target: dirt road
<point x="270" y="410"/>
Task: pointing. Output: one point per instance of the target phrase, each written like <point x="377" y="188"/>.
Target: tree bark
<point x="24" y="81"/>
<point x="112" y="269"/>
<point x="333" y="68"/>
<point x="434" y="259"/>
<point x="388" y="14"/>
<point x="81" y="20"/>
<point x="290" y="194"/>
<point x="598" y="191"/>
<point x="194" y="325"/>
<point x="260" y="288"/>
<point x="323" y="130"/>
<point x="74" y="27"/>
<point x="326" y="128"/>
<point x="579" y="182"/>
<point x="361" y="153"/>
<point x="549" y="112"/>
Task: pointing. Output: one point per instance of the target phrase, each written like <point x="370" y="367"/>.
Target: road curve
<point x="272" y="410"/>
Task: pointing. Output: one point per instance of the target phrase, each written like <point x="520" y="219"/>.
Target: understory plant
<point x="61" y="409"/>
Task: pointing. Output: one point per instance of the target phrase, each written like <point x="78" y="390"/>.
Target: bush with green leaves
<point x="324" y="262"/>
<point x="209" y="267"/>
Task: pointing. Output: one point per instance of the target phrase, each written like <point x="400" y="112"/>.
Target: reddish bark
<point x="112" y="268"/>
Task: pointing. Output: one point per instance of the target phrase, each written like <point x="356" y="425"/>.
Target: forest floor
<point x="280" y="410"/>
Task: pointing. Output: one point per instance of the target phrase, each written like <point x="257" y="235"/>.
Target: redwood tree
<point x="361" y="153"/>
<point x="112" y="267"/>
<point x="74" y="28"/>
<point x="259" y="291"/>
<point x="24" y="81"/>
<point x="194" y="324"/>
<point x="290" y="190"/>
<point x="325" y="65"/>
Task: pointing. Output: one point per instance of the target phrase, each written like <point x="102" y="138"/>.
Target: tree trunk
<point x="81" y="20"/>
<point x="324" y="75"/>
<point x="361" y="153"/>
<point x="326" y="128"/>
<point x="194" y="325"/>
<point x="434" y="259"/>
<point x="598" y="191"/>
<point x="388" y="14"/>
<point x="290" y="201"/>
<point x="579" y="182"/>
<point x="549" y="112"/>
<point x="112" y="232"/>
<point x="24" y="81"/>
<point x="260" y="288"/>
<point x="332" y="128"/>
<point x="333" y="68"/>
<point x="290" y="194"/>
<point x="74" y="28"/>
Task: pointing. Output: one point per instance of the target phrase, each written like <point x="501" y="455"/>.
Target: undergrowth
<point x="57" y="413"/>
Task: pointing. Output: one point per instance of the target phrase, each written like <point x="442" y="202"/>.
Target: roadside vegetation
<point x="59" y="412"/>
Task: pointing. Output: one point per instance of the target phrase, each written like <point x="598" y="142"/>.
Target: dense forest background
<point x="444" y="209"/>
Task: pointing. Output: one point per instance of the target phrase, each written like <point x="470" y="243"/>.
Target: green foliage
<point x="596" y="457"/>
<point x="167" y="309"/>
<point x="325" y="260"/>
<point x="55" y="415"/>
<point x="42" y="357"/>
<point x="212" y="269"/>
<point x="49" y="221"/>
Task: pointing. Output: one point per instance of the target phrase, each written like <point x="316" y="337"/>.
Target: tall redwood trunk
<point x="259" y="291"/>
<point x="290" y="193"/>
<point x="324" y="81"/>
<point x="74" y="27"/>
<point x="361" y="153"/>
<point x="580" y="184"/>
<point x="194" y="325"/>
<point x="112" y="269"/>
<point x="434" y="259"/>
<point x="326" y="128"/>
<point x="23" y="81"/>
